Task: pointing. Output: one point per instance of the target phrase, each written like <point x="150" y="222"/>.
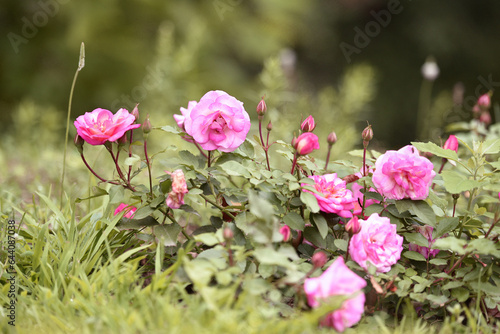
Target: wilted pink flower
<point x="335" y="197"/>
<point x="306" y="143"/>
<point x="285" y="232"/>
<point x="308" y="124"/>
<point x="338" y="280"/>
<point x="377" y="243"/>
<point x="426" y="231"/>
<point x="451" y="143"/>
<point x="129" y="210"/>
<point x="484" y="101"/>
<point x="100" y="125"/>
<point x="217" y="122"/>
<point x="403" y="174"/>
<point x="175" y="198"/>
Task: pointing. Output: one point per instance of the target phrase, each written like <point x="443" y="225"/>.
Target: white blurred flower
<point x="430" y="69"/>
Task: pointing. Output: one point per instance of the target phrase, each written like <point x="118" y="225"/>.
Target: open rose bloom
<point x="335" y="197"/>
<point x="403" y="174"/>
<point x="100" y="125"/>
<point x="338" y="280"/>
<point x="377" y="243"/>
<point x="217" y="122"/>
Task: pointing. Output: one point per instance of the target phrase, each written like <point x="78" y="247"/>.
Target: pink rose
<point x="335" y="197"/>
<point x="338" y="280"/>
<point x="100" y="125"/>
<point x="377" y="243"/>
<point x="451" y="143"/>
<point x="306" y="143"/>
<point x="217" y="122"/>
<point x="175" y="198"/>
<point x="484" y="101"/>
<point x="129" y="210"/>
<point x="308" y="125"/>
<point x="403" y="174"/>
<point x="426" y="231"/>
<point x="285" y="232"/>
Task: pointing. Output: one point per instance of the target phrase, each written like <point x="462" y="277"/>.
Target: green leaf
<point x="189" y="158"/>
<point x="170" y="129"/>
<point x="456" y="183"/>
<point x="267" y="255"/>
<point x="294" y="220"/>
<point x="421" y="209"/>
<point x="235" y="169"/>
<point x="491" y="146"/>
<point x="451" y="244"/>
<point x="209" y="239"/>
<point x="310" y="201"/>
<point x="168" y="233"/>
<point x="438" y="262"/>
<point x="341" y="244"/>
<point x="439" y="300"/>
<point x="461" y="294"/>
<point x="260" y="207"/>
<point x="247" y="149"/>
<point x="445" y="225"/>
<point x="436" y="150"/>
<point x="417" y="239"/>
<point x="484" y="246"/>
<point x="452" y="285"/>
<point x="143" y="212"/>
<point x="414" y="256"/>
<point x="312" y="235"/>
<point x="136" y="224"/>
<point x="129" y="161"/>
<point x="320" y="223"/>
<point x="97" y="193"/>
<point x="116" y="193"/>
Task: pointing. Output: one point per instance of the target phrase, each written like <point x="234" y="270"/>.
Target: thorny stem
<point x="496" y="220"/>
<point x="128" y="186"/>
<point x="209" y="158"/>
<point x="149" y="167"/>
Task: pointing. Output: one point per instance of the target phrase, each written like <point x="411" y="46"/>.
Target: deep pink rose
<point x="335" y="198"/>
<point x="129" y="210"/>
<point x="377" y="243"/>
<point x="338" y="280"/>
<point x="100" y="125"/>
<point x="217" y="122"/>
<point x="451" y="143"/>
<point x="175" y="198"/>
<point x="306" y="143"/>
<point x="403" y="174"/>
<point x="427" y="252"/>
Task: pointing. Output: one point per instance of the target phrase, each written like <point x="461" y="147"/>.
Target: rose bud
<point x="269" y="126"/>
<point x="319" y="259"/>
<point x="332" y="138"/>
<point x="79" y="143"/>
<point x="308" y="125"/>
<point x="286" y="233"/>
<point x="484" y="101"/>
<point x="306" y="143"/>
<point x="451" y="143"/>
<point x="135" y="112"/>
<point x="261" y="107"/>
<point x="367" y="134"/>
<point x="146" y="126"/>
<point x="353" y="226"/>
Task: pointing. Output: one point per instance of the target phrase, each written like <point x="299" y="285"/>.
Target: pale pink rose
<point x="335" y="197"/>
<point x="403" y="174"/>
<point x="308" y="124"/>
<point x="285" y="232"/>
<point x="179" y="119"/>
<point x="427" y="252"/>
<point x="129" y="210"/>
<point x="100" y="125"/>
<point x="217" y="122"/>
<point x="175" y="197"/>
<point x="451" y="143"/>
<point x="306" y="143"/>
<point x="377" y="243"/>
<point x="338" y="280"/>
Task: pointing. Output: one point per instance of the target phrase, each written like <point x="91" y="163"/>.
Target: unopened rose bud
<point x="485" y="118"/>
<point x="451" y="143"/>
<point x="332" y="138"/>
<point x="286" y="233"/>
<point x="269" y="126"/>
<point x="319" y="259"/>
<point x="294" y="142"/>
<point x="146" y="126"/>
<point x="367" y="134"/>
<point x="79" y="143"/>
<point x="306" y="143"/>
<point x="455" y="196"/>
<point x="227" y="234"/>
<point x="308" y="125"/>
<point x="261" y="107"/>
<point x="352" y="227"/>
<point x="484" y="101"/>
<point x="135" y="112"/>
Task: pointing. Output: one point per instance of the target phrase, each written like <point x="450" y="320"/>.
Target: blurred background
<point x="345" y="62"/>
